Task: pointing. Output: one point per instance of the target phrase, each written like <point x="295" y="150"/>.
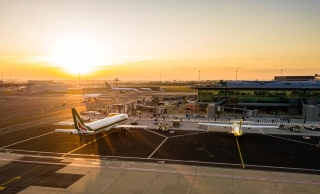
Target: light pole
<point x="2" y="80"/>
<point x="160" y="84"/>
<point x="281" y="74"/>
<point x="199" y="76"/>
<point x="146" y="79"/>
<point x="54" y="77"/>
<point x="116" y="80"/>
<point x="10" y="81"/>
<point x="236" y="75"/>
<point x="79" y="89"/>
<point x="174" y="87"/>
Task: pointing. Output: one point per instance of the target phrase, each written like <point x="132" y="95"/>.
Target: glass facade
<point x="256" y="96"/>
<point x="284" y="92"/>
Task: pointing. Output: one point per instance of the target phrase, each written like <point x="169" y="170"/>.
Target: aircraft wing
<point x="216" y="124"/>
<point x="243" y="126"/>
<point x="65" y="123"/>
<point x="64" y="130"/>
<point x="260" y="126"/>
<point x="130" y="126"/>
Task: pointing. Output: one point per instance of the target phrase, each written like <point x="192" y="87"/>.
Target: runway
<point x="44" y="152"/>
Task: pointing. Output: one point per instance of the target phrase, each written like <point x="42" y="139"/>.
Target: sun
<point x="77" y="55"/>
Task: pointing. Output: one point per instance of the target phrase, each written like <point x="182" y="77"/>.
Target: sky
<point x="153" y="40"/>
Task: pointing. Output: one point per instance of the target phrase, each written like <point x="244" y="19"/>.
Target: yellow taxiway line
<point x="240" y="153"/>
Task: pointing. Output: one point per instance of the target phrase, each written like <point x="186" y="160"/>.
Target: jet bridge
<point x="309" y="112"/>
<point x="216" y="107"/>
<point x="304" y="101"/>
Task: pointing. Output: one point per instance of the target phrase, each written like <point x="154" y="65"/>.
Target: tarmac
<point x="149" y="161"/>
<point x="191" y="160"/>
<point x="80" y="175"/>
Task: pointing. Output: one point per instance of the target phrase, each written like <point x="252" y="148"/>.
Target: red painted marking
<point x="81" y="127"/>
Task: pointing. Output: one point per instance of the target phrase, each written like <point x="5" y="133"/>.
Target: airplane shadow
<point x="106" y="143"/>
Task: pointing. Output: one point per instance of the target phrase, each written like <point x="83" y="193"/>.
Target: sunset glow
<point x="175" y="39"/>
<point x="77" y="55"/>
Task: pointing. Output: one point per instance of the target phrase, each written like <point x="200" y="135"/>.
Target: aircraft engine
<point x="75" y="132"/>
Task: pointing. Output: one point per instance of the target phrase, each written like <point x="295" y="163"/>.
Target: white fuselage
<point x="114" y="121"/>
<point x="146" y="89"/>
<point x="91" y="96"/>
<point x="126" y="89"/>
<point x="107" y="123"/>
<point x="100" y="125"/>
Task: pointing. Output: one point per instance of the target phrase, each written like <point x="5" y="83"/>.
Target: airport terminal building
<point x="38" y="86"/>
<point x="288" y="96"/>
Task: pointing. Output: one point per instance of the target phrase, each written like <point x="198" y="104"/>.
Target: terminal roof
<point x="278" y="85"/>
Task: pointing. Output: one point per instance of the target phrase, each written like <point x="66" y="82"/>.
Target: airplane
<point x="121" y="89"/>
<point x="237" y="128"/>
<point x="106" y="124"/>
<point x="146" y="89"/>
<point x="88" y="97"/>
<point x="191" y="101"/>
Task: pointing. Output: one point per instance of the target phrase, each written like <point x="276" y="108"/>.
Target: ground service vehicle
<point x="176" y="123"/>
<point x="295" y="128"/>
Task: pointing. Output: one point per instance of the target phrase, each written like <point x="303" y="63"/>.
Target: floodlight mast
<point x="116" y="80"/>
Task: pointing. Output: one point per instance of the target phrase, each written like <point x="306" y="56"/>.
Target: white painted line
<point x="85" y="144"/>
<point x="29" y="151"/>
<point x="155" y="132"/>
<point x="188" y="134"/>
<point x="291" y="140"/>
<point x="174" y="172"/>
<point x="27" y="125"/>
<point x="158" y="147"/>
<point x="26" y="140"/>
<point x="96" y="163"/>
<point x="285" y="168"/>
<point x="156" y="159"/>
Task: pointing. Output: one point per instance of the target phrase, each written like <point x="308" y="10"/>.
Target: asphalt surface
<point x="33" y="136"/>
<point x="37" y="172"/>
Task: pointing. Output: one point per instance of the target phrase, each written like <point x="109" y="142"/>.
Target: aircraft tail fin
<point x="78" y="123"/>
<point x="108" y="86"/>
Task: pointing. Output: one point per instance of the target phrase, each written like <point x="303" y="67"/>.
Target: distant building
<point x="295" y="78"/>
<point x="38" y="86"/>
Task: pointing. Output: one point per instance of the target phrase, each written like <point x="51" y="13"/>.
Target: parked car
<point x="282" y="127"/>
<point x="134" y="122"/>
<point x="312" y="127"/>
